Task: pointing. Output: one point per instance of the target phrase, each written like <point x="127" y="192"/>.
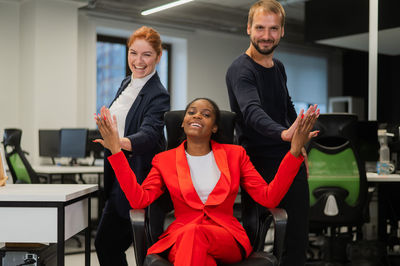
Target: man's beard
<point x="263" y="51"/>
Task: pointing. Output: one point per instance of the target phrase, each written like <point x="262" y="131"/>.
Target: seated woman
<point x="203" y="179"/>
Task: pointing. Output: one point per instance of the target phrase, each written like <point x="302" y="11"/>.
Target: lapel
<point x="223" y="186"/>
<point x="221" y="189"/>
<point x="132" y="111"/>
<point x="124" y="84"/>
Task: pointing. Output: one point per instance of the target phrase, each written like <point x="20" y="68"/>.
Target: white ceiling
<point x="388" y="41"/>
<point x="230" y="16"/>
<point x="216" y="15"/>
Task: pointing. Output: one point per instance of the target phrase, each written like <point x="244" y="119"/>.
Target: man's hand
<point x="287" y="134"/>
<point x="303" y="133"/>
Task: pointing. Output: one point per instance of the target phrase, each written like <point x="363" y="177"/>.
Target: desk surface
<point x="45" y="192"/>
<point x="374" y="177"/>
<point x="56" y="169"/>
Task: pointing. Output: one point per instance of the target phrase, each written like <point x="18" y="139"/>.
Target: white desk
<point x="374" y="177"/>
<point x="51" y="170"/>
<point x="385" y="185"/>
<point x="46" y="213"/>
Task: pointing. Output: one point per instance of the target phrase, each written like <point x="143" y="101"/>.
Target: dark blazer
<point x="144" y="127"/>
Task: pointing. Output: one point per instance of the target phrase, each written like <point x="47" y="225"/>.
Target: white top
<point x="120" y="107"/>
<point x="204" y="173"/>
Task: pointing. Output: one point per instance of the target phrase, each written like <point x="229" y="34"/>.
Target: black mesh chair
<point x="149" y="224"/>
<point x="20" y="168"/>
<point x="338" y="185"/>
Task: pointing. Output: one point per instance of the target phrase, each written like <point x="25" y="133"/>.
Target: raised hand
<point x="287" y="134"/>
<point x="108" y="130"/>
<point x="303" y="133"/>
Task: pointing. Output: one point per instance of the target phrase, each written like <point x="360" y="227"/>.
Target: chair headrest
<point x="12" y="137"/>
<point x="336" y="129"/>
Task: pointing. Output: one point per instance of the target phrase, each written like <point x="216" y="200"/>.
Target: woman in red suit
<point x="203" y="178"/>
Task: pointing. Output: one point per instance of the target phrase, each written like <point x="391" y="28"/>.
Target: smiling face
<point x="199" y="121"/>
<point x="266" y="31"/>
<point x="142" y="58"/>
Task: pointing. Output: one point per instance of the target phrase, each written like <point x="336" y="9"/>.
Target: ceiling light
<point x="166" y="6"/>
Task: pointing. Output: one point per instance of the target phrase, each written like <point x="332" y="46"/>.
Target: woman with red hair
<point x="139" y="107"/>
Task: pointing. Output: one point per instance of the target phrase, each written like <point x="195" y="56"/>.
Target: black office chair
<point x="20" y="168"/>
<point x="338" y="185"/>
<point x="147" y="225"/>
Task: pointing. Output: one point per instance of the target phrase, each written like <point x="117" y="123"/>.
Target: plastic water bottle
<point x="384" y="152"/>
<point x="383" y="167"/>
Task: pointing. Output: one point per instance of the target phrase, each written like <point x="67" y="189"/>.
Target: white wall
<point x="9" y="65"/>
<point x="40" y="67"/>
<point x="209" y="56"/>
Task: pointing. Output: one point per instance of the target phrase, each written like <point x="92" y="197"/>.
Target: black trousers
<point x="114" y="236"/>
<point x="296" y="203"/>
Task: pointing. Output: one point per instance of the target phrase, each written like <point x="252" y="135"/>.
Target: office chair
<point x="147" y="225"/>
<point x="21" y="170"/>
<point x="337" y="184"/>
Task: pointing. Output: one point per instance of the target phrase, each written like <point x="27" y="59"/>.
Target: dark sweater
<point x="260" y="98"/>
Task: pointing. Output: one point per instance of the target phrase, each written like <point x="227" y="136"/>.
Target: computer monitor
<point x="368" y="145"/>
<point x="73" y="143"/>
<point x="96" y="148"/>
<point x="49" y="143"/>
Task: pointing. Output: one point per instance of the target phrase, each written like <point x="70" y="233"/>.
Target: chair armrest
<point x="139" y="245"/>
<point x="278" y="217"/>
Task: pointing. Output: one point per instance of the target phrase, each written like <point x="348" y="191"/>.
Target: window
<point x="307" y="78"/>
<point x="112" y="67"/>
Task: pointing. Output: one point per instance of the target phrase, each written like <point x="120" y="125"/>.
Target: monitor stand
<point x="73" y="161"/>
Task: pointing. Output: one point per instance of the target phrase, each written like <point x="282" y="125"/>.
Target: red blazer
<point x="171" y="171"/>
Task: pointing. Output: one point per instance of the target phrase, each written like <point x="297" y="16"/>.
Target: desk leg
<point x="81" y="178"/>
<point x="382" y="225"/>
<point x="60" y="236"/>
<point x="88" y="236"/>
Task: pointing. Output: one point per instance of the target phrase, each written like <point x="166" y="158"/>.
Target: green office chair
<point x="337" y="184"/>
<point x="20" y="168"/>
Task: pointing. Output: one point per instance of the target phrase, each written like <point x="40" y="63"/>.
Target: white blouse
<point x="121" y="106"/>
<point x="204" y="173"/>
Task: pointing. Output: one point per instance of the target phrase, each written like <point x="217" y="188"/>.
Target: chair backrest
<point x="336" y="173"/>
<point x="19" y="166"/>
<point x="155" y="213"/>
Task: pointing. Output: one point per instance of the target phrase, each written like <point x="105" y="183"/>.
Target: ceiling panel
<point x="216" y="15"/>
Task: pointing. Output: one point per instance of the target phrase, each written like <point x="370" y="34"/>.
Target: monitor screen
<point x="96" y="148"/>
<point x="73" y="142"/>
<point x="49" y="143"/>
<point x="368" y="145"/>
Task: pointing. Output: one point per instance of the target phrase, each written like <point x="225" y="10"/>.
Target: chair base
<point x="255" y="259"/>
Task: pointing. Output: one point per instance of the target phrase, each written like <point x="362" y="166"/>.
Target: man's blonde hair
<point x="268" y="6"/>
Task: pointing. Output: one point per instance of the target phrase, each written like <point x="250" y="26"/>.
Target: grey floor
<point x="79" y="259"/>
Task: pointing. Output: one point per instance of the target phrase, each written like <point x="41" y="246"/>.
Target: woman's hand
<point x="108" y="130"/>
<point x="303" y="133"/>
<point x="287" y="134"/>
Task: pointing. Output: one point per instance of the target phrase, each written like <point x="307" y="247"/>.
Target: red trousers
<point x="204" y="245"/>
